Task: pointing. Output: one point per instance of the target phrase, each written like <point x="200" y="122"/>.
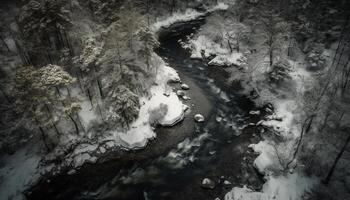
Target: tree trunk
<point x="49" y="58"/>
<point x="229" y="45"/>
<point x="3" y="41"/>
<point x="58" y="91"/>
<point x="81" y="124"/>
<point x="56" y="129"/>
<point x="68" y="92"/>
<point x="325" y="120"/>
<point x="330" y="173"/>
<point x="119" y="57"/>
<point x="75" y="124"/>
<point x="5" y="96"/>
<point x="99" y="85"/>
<point x="58" y="40"/>
<point x="271" y="57"/>
<point x="100" y="111"/>
<point x="148" y="21"/>
<point x="90" y="98"/>
<point x="305" y="129"/>
<point x="43" y="135"/>
<point x="79" y="81"/>
<point x="68" y="43"/>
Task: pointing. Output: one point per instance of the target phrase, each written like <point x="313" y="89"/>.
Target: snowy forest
<point x="175" y="99"/>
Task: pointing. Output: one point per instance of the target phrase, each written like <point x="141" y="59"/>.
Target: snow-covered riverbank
<point x="162" y="107"/>
<point x="282" y="182"/>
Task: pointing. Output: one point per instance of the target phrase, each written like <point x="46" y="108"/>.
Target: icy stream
<point x="174" y="165"/>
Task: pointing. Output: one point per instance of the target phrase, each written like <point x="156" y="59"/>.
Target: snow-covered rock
<point x="71" y="172"/>
<point x="226" y="182"/>
<point x="254" y="112"/>
<point x="186" y="98"/>
<point x="188" y="15"/>
<point x="208" y="183"/>
<point x="218" y="118"/>
<point x="199" y="118"/>
<point x="180" y="93"/>
<point x="185" y="86"/>
<point x="228" y="60"/>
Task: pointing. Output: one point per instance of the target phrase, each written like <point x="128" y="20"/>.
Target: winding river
<point x="174" y="165"/>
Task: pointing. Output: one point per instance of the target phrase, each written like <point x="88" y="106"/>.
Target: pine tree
<point x="149" y="43"/>
<point x="122" y="107"/>
<point x="279" y="72"/>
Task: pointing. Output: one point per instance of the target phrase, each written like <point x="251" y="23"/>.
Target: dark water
<point x="173" y="166"/>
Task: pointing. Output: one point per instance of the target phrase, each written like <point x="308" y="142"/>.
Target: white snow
<point x="165" y="110"/>
<point x="273" y="156"/>
<point x="199" y="118"/>
<point x="185" y="152"/>
<point x="188" y="15"/>
<point x="223" y="55"/>
<point x="267" y="158"/>
<point x="87" y="114"/>
<point x="20" y="171"/>
<point x="219" y="6"/>
<point x="83" y="158"/>
<point x="227" y="59"/>
<point x="289" y="187"/>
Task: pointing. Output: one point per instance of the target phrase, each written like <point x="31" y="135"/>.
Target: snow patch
<point x="188" y="15"/>
<point x="20" y="171"/>
<point x="203" y="45"/>
<point x="166" y="110"/>
<point x="289" y="187"/>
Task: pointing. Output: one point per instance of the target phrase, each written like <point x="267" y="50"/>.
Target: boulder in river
<point x="199" y="118"/>
<point x="226" y="182"/>
<point x="208" y="183"/>
<point x="185" y="87"/>
<point x="180" y="93"/>
<point x="186" y="98"/>
<point x="254" y="112"/>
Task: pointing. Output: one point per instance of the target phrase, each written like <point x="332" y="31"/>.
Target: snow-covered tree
<point x="43" y="25"/>
<point x="36" y="95"/>
<point x="31" y="99"/>
<point x="279" y="72"/>
<point x="122" y="107"/>
<point x="237" y="32"/>
<point x="115" y="45"/>
<point x="71" y="109"/>
<point x="54" y="76"/>
<point x="87" y="63"/>
<point x="129" y="20"/>
<point x="149" y="43"/>
<point x="275" y="35"/>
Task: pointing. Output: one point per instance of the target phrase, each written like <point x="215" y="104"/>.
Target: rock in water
<point x="199" y="118"/>
<point x="180" y="93"/>
<point x="185" y="87"/>
<point x="254" y="112"/>
<point x="186" y="98"/>
<point x="226" y="182"/>
<point x="208" y="183"/>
